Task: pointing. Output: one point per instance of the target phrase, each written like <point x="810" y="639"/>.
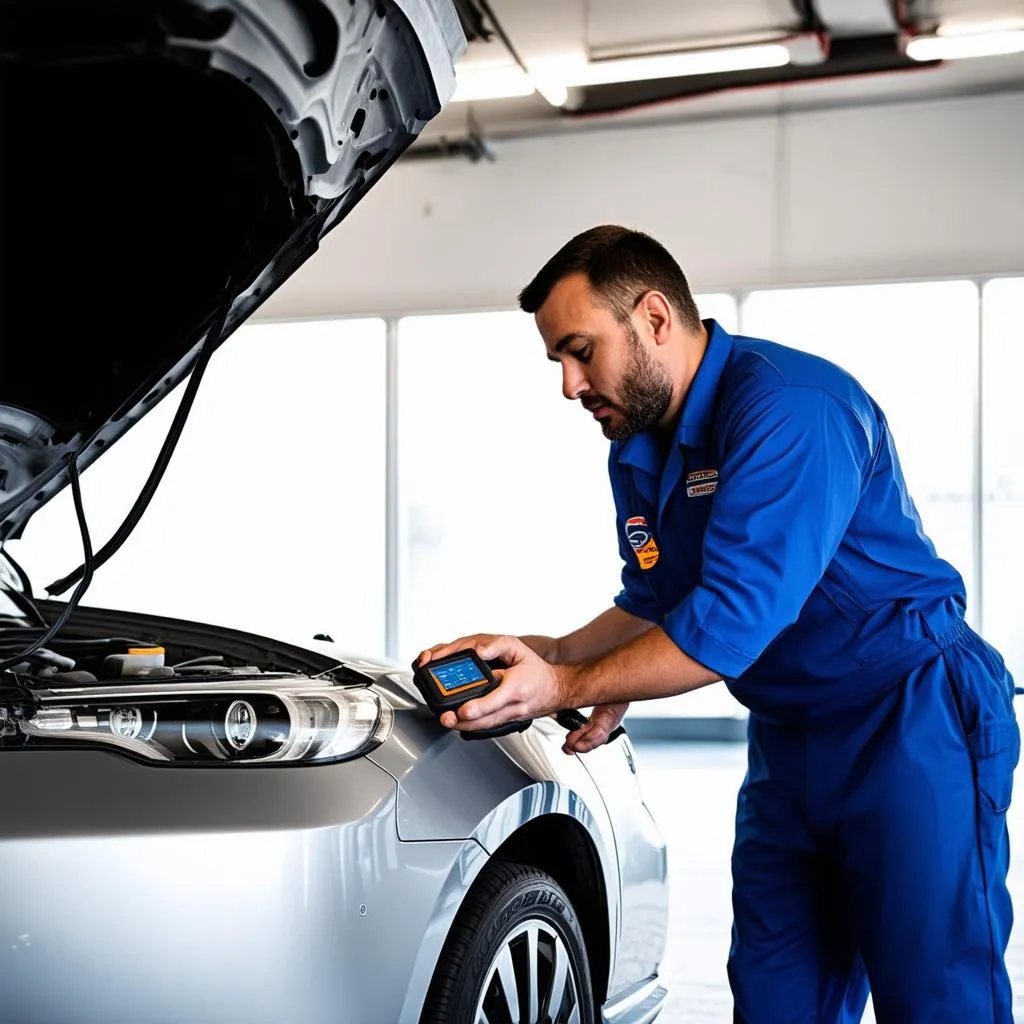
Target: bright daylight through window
<point x="1003" y="469"/>
<point x="271" y="517"/>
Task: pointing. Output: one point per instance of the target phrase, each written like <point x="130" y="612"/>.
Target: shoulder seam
<point x="821" y="391"/>
<point x="764" y="361"/>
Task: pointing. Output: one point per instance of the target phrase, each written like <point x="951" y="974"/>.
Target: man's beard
<point x="644" y="395"/>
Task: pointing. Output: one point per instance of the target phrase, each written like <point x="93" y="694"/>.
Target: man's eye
<point x="582" y="354"/>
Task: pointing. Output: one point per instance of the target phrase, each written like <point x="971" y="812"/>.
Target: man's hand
<point x="529" y="688"/>
<point x="604" y="720"/>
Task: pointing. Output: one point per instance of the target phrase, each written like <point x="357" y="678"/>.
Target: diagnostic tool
<point x="447" y="683"/>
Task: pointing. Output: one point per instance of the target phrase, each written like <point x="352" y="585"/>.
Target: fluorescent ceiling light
<point x="491" y="82"/>
<point x="960" y="45"/>
<point x="552" y="88"/>
<point x="508" y="81"/>
<point x="961" y="27"/>
<point x="552" y="77"/>
<point x="678" y="65"/>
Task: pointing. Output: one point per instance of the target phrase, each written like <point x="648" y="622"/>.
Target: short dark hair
<point x="621" y="265"/>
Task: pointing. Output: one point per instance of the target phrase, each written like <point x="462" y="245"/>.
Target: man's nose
<point x="573" y="381"/>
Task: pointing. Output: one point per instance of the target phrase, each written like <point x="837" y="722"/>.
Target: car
<point x="202" y="824"/>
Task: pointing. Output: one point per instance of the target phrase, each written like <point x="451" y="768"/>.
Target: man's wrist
<point x="570" y="688"/>
<point x="544" y="646"/>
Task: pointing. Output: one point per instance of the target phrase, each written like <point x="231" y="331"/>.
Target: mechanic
<point x="768" y="540"/>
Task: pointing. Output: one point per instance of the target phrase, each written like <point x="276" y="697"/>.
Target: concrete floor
<point x="691" y="789"/>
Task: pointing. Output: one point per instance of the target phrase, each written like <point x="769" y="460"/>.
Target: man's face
<point x="605" y="364"/>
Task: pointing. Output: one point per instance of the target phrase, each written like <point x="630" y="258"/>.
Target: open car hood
<point x="169" y="163"/>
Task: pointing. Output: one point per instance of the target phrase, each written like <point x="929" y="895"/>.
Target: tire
<point x="483" y="975"/>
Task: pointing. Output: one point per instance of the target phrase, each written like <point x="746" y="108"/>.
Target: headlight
<point x="206" y="724"/>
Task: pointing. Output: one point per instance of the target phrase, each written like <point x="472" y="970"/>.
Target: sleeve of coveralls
<point x="789" y="483"/>
<point x="635" y="597"/>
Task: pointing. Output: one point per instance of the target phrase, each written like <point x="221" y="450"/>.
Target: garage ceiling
<point x="863" y="42"/>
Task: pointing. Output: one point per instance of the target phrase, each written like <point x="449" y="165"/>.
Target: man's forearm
<point x="648" y="666"/>
<point x="609" y="630"/>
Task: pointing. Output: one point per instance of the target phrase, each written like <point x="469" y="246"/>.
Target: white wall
<point x="922" y="189"/>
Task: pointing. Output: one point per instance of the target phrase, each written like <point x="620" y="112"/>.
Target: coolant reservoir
<point x="137" y="660"/>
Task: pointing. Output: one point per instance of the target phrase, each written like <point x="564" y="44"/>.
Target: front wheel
<point x="515" y="955"/>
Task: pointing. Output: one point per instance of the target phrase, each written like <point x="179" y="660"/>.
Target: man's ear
<point x="657" y="311"/>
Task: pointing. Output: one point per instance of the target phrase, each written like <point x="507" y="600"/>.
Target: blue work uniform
<point x="773" y="539"/>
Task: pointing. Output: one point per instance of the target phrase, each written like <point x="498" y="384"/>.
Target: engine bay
<point x="70" y="661"/>
<point x="97" y="645"/>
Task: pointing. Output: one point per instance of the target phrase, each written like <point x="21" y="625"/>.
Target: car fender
<point x="483" y="792"/>
<point x="542" y="798"/>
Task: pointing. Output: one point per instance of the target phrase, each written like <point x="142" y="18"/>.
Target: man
<point x="768" y="540"/>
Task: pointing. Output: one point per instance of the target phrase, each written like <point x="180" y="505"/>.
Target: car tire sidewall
<point x="527" y="895"/>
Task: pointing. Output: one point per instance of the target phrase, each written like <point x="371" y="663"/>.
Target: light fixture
<point x="552" y="77"/>
<point x="551" y="87"/>
<point x="507" y="81"/>
<point x="678" y="65"/>
<point x="491" y="82"/>
<point x="968" y="27"/>
<point x="959" y="45"/>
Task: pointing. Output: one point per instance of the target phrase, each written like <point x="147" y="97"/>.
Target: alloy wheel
<point x="531" y="980"/>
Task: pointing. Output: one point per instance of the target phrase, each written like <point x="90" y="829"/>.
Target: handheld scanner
<point x="447" y="683"/>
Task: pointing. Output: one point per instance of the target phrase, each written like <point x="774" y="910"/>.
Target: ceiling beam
<point x="845" y="18"/>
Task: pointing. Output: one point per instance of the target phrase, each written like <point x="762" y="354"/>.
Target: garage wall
<point x="923" y="189"/>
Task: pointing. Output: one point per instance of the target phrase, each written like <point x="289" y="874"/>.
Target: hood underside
<point x="168" y="162"/>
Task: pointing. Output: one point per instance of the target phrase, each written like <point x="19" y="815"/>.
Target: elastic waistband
<point x="942" y="626"/>
<point x="945" y="629"/>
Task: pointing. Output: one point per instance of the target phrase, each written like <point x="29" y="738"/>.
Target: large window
<point x="720" y="307"/>
<point x="506" y="520"/>
<point x="1003" y="470"/>
<point x="914" y="347"/>
<point x="272" y="514"/>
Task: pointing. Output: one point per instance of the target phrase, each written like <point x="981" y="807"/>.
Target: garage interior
<point x="844" y="176"/>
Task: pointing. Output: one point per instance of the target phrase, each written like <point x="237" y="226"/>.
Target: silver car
<point x="202" y="825"/>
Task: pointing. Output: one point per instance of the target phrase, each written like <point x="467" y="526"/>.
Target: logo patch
<point x="638" y="533"/>
<point x="701" y="482"/>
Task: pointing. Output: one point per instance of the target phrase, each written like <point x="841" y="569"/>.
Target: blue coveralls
<point x="776" y="543"/>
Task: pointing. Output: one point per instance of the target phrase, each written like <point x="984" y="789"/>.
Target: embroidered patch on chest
<point x="641" y="540"/>
<point x="701" y="482"/>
